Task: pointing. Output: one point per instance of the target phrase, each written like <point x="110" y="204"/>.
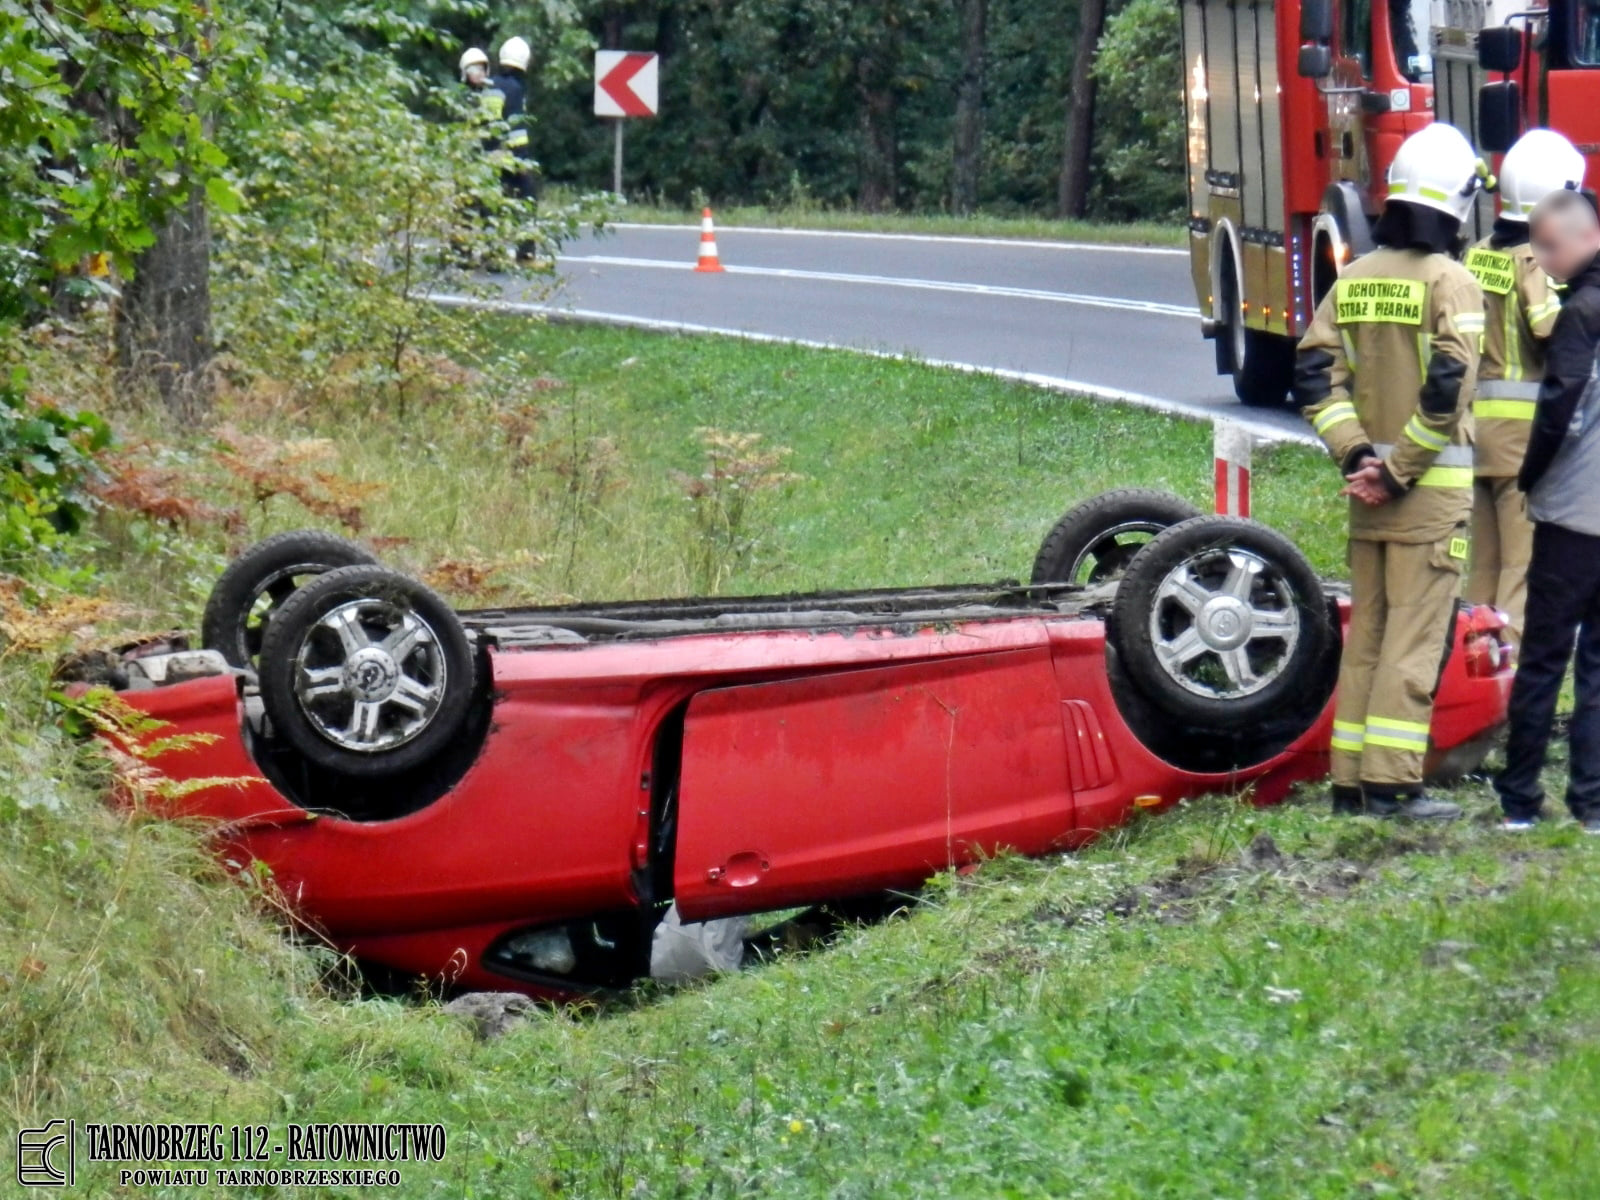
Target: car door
<point x="850" y="782"/>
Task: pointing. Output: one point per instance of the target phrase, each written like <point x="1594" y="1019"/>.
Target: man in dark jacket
<point x="1561" y="478"/>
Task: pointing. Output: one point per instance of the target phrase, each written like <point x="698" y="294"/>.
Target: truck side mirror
<point x="1315" y="62"/>
<point x="1500" y="49"/>
<point x="1316" y="21"/>
<point x="1499" y="116"/>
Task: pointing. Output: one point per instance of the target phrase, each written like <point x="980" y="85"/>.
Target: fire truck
<point x="1294" y="111"/>
<point x="1503" y="68"/>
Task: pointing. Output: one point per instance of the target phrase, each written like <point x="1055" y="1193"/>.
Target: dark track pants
<point x="1563" y="605"/>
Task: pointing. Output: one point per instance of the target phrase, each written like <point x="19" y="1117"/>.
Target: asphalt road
<point x="1110" y="320"/>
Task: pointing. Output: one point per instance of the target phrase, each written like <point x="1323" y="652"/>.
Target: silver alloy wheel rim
<point x="369" y="675"/>
<point x="1224" y="624"/>
<point x="1093" y="551"/>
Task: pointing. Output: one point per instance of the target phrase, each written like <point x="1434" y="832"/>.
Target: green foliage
<point x="47" y="457"/>
<point x="104" y="111"/>
<point x="761" y="95"/>
<point x="364" y="192"/>
<point x="1140" y="121"/>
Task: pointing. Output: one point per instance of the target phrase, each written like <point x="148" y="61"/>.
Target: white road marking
<point x="959" y="239"/>
<point x="1265" y="431"/>
<point x="1148" y="307"/>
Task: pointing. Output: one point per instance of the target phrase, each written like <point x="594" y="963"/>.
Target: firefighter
<point x="1519" y="309"/>
<point x="491" y="100"/>
<point x="512" y="80"/>
<point x="1385" y="375"/>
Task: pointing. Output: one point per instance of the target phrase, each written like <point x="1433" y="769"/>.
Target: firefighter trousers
<point x="1502" y="543"/>
<point x="1402" y="610"/>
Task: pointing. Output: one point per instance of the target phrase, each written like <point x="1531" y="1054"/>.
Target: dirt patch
<point x="1173" y="898"/>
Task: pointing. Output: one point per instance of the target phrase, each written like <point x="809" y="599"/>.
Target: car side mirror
<point x="1500" y="49"/>
<point x="1316" y="21"/>
<point x="1315" y="62"/>
<point x="1499" y="116"/>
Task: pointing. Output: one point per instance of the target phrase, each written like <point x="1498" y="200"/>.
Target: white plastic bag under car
<point x="681" y="951"/>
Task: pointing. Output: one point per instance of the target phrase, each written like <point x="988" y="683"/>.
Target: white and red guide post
<point x="1231" y="444"/>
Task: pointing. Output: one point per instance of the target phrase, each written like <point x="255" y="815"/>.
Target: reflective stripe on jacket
<point x="1519" y="310"/>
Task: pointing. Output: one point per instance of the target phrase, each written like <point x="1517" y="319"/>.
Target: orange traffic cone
<point x="708" y="244"/>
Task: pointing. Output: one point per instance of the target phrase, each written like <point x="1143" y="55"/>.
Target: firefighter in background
<point x="491" y="100"/>
<point x="512" y="80"/>
<point x="1519" y="309"/>
<point x="1385" y="375"/>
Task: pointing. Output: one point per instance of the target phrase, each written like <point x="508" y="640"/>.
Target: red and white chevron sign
<point x="625" y="84"/>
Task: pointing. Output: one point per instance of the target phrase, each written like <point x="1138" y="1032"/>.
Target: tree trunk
<point x="880" y="167"/>
<point x="163" y="321"/>
<point x="1072" y="200"/>
<point x="967" y="152"/>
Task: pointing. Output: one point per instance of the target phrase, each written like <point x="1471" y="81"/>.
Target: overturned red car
<point x="515" y="798"/>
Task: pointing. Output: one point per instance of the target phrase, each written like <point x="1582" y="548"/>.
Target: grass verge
<point x="1217" y="1001"/>
<point x="1140" y="233"/>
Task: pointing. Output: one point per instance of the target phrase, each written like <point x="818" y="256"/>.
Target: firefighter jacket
<point x="1387" y="369"/>
<point x="513" y="85"/>
<point x="1519" y="311"/>
<point x="490" y="112"/>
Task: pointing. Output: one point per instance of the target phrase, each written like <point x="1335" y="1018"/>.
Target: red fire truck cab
<point x="1505" y="68"/>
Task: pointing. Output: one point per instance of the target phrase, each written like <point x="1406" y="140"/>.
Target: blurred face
<point x="477" y="73"/>
<point x="1564" y="243"/>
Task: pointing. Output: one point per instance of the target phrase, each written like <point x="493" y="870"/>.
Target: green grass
<point x="1140" y="233"/>
<point x="1357" y="1010"/>
<point x="909" y="475"/>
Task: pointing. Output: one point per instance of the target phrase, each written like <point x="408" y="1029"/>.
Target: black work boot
<point x="1346" y="800"/>
<point x="1409" y="806"/>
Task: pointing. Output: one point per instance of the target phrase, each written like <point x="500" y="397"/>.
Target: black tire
<point x="1261" y="363"/>
<point x="1201" y="665"/>
<point x="1264" y="378"/>
<point x="257" y="583"/>
<point x="376" y="601"/>
<point x="1095" y="542"/>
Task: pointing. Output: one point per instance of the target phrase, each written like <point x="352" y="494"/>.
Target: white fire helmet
<point x="1541" y="162"/>
<point x="515" y="53"/>
<point x="473" y="57"/>
<point x="1436" y="168"/>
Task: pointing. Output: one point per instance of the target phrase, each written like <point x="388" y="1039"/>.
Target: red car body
<point x="805" y="764"/>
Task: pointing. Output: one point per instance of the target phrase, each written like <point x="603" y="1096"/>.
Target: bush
<point x="47" y="459"/>
<point x="1139" y="143"/>
<point x="357" y="209"/>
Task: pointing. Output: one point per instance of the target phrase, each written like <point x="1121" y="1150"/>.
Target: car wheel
<point x="366" y="672"/>
<point x="257" y="583"/>
<point x="1095" y="541"/>
<point x="1221" y="623"/>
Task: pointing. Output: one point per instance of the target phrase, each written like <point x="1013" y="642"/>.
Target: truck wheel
<point x="1095" y="541"/>
<point x="256" y="584"/>
<point x="1264" y="378"/>
<point x="366" y="672"/>
<point x="1222" y="623"/>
